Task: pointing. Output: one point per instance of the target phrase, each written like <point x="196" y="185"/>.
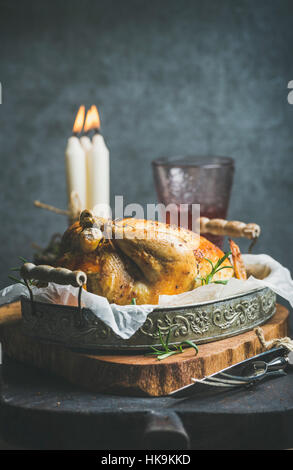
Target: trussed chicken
<point x="139" y="259"/>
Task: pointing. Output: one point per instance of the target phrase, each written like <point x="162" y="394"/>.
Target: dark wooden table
<point x="39" y="411"/>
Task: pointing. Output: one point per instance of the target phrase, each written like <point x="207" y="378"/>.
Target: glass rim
<point x="193" y="161"/>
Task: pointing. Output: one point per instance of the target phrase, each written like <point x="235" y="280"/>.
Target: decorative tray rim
<point x="167" y="307"/>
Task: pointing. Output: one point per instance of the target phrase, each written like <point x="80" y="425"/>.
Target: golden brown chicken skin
<point x="139" y="259"/>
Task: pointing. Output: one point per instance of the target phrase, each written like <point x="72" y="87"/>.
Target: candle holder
<point x="195" y="180"/>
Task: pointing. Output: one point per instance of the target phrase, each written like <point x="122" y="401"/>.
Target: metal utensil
<point x="243" y="374"/>
<point x="279" y="363"/>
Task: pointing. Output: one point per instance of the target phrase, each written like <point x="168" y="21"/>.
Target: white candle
<point x="75" y="160"/>
<point x="86" y="143"/>
<point x="98" y="162"/>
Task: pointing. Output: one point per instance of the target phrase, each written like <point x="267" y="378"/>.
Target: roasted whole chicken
<point x="138" y="259"/>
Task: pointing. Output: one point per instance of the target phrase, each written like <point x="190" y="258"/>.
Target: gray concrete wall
<point x="169" y="77"/>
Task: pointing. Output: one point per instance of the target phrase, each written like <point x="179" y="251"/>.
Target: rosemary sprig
<point x="16" y="279"/>
<point x="215" y="268"/>
<point x="166" y="350"/>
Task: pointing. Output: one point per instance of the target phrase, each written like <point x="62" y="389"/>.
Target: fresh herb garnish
<point x="166" y="350"/>
<point x="133" y="301"/>
<point x="215" y="269"/>
<point x="15" y="279"/>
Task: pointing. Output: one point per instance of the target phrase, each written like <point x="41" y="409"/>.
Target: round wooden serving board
<point x="134" y="374"/>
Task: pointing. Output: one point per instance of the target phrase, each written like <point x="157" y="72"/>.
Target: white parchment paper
<point x="127" y="319"/>
<point x="262" y="270"/>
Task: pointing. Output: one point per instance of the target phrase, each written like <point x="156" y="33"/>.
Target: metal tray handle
<point x="45" y="274"/>
<point x="232" y="228"/>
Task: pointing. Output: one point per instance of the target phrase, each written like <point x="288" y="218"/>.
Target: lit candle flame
<point x="79" y="120"/>
<point x="88" y="125"/>
<point x="95" y="118"/>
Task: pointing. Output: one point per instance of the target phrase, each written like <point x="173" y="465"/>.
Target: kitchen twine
<point x="273" y="343"/>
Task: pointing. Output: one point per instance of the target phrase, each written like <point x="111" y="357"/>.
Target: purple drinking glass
<point x="195" y="180"/>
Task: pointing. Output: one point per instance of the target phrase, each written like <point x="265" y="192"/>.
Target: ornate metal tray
<point x="78" y="327"/>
